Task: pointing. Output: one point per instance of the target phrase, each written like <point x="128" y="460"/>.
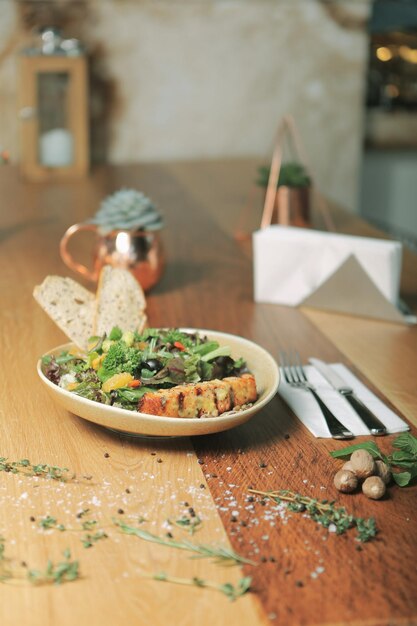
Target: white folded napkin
<point x="303" y="267"/>
<point x="308" y="411"/>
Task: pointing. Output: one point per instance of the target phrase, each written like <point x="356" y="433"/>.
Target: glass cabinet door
<point x="55" y="139"/>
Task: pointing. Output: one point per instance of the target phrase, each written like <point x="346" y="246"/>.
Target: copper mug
<point x="139" y="251"/>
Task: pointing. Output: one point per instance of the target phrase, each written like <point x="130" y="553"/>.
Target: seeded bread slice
<point x="70" y="306"/>
<point x="120" y="301"/>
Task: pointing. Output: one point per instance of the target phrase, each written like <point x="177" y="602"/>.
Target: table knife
<point x="369" y="419"/>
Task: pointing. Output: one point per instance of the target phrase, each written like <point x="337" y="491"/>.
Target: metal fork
<point x="295" y="376"/>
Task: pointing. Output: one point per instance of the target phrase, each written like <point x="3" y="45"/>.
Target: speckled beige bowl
<point x="259" y="362"/>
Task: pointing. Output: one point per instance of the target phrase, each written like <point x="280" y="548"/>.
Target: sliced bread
<point x="70" y="305"/>
<point x="120" y="301"/>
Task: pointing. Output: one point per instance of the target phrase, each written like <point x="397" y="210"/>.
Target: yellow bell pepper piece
<point x="117" y="381"/>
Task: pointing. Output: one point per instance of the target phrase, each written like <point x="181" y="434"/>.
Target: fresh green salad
<point x="119" y="368"/>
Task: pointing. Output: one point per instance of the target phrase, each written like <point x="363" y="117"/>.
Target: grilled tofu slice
<point x="209" y="399"/>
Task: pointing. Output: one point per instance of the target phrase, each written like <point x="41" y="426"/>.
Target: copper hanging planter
<point x="288" y="198"/>
<point x="292" y="206"/>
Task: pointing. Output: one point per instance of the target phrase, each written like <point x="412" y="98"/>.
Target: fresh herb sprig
<point x="233" y="592"/>
<point x="88" y="540"/>
<point x="54" y="573"/>
<point x="64" y="571"/>
<point x="24" y="466"/>
<point x="403" y="457"/>
<point x="219" y="554"/>
<point x="323" y="512"/>
<point x="49" y="522"/>
<point x="86" y="525"/>
<point x="191" y="524"/>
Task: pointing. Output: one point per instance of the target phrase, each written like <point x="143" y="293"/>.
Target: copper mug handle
<point x="67" y="256"/>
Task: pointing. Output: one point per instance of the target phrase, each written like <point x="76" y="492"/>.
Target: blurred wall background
<point x="190" y="79"/>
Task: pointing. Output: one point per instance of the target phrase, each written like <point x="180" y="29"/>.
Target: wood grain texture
<point x="313" y="577"/>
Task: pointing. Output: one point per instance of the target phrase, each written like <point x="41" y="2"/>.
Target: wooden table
<point x="303" y="574"/>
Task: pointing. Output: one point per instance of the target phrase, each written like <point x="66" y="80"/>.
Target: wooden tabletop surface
<point x="302" y="574"/>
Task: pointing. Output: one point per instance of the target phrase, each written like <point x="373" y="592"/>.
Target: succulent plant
<point x="127" y="209"/>
<point x="290" y="175"/>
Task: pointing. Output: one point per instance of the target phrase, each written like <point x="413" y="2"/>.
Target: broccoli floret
<point x="115" y="333"/>
<point x="128" y="337"/>
<point x="119" y="358"/>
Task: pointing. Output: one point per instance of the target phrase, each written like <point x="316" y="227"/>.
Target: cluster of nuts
<point x="362" y="467"/>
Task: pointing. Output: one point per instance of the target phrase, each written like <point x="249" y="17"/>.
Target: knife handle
<point x="336" y="428"/>
<point x="376" y="427"/>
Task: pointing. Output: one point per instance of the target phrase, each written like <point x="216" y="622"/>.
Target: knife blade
<point x="375" y="426"/>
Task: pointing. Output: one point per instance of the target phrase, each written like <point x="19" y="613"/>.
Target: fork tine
<point x="285" y="368"/>
<point x="292" y="365"/>
<point x="299" y="367"/>
<point x="295" y="376"/>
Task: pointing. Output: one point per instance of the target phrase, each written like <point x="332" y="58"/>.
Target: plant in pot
<point x="292" y="200"/>
<point x="127" y="234"/>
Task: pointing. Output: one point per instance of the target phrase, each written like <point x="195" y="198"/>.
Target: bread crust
<point x="70" y="305"/>
<point x="120" y="301"/>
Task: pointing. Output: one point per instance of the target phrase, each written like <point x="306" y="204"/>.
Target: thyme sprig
<point x="88" y="540"/>
<point x="233" y="592"/>
<point x="219" y="554"/>
<point x="54" y="573"/>
<point x="323" y="512"/>
<point x="49" y="522"/>
<point x="64" y="571"/>
<point x="24" y="466"/>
